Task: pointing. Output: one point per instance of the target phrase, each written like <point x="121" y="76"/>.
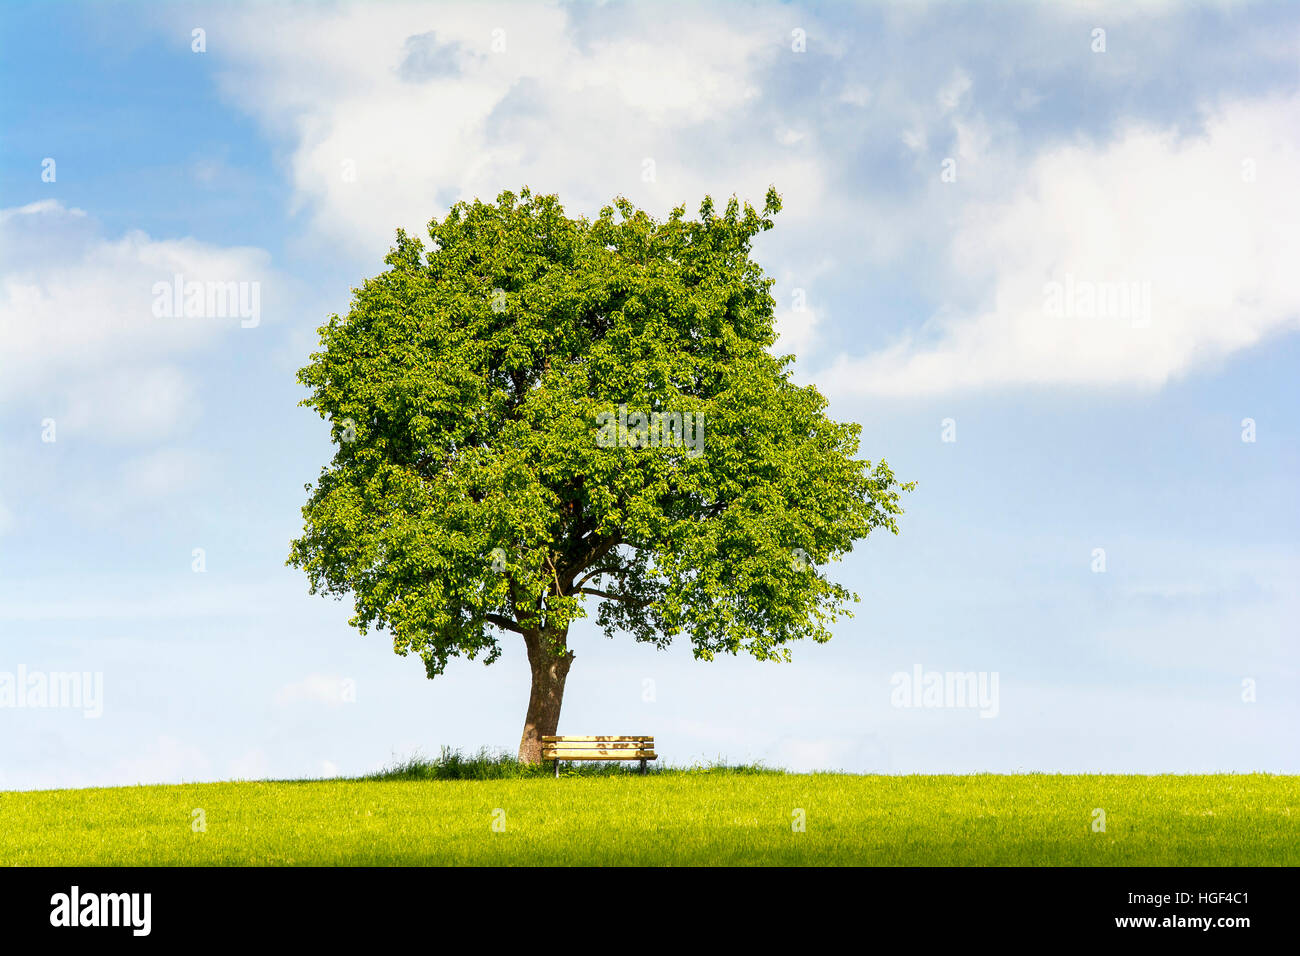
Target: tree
<point x="538" y="414"/>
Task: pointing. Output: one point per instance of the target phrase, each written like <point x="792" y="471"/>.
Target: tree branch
<point x="622" y="599"/>
<point x="503" y="622"/>
<point x="597" y="572"/>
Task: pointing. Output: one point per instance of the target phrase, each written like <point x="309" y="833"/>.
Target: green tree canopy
<point x="537" y="415"/>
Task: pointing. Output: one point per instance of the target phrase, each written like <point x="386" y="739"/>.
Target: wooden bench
<point x="598" y="748"/>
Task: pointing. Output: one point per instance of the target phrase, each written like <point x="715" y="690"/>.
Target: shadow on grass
<point x="500" y="765"/>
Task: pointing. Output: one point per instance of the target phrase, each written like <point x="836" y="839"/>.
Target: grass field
<point x="685" y="817"/>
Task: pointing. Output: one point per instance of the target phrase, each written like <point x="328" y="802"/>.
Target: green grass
<point x="442" y="811"/>
<point x="499" y="765"/>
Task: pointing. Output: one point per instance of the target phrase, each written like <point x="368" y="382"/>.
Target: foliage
<point x="468" y="494"/>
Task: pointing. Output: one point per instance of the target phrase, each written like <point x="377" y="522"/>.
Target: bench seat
<point x="557" y="748"/>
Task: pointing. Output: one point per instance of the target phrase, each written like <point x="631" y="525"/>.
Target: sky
<point x="1045" y="254"/>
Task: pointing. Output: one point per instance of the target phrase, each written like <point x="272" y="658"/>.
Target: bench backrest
<point x="599" y="748"/>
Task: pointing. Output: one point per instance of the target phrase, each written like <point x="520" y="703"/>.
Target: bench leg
<point x="557" y="769"/>
<point x="643" y="765"/>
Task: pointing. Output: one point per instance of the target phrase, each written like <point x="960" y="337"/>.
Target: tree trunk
<point x="549" y="659"/>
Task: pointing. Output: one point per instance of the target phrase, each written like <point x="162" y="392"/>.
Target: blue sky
<point x="942" y="167"/>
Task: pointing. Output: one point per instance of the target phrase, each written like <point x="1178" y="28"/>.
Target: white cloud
<point x="140" y="483"/>
<point x="855" y="94"/>
<point x="315" y="688"/>
<point x="79" y="340"/>
<point x="798" y="318"/>
<point x="950" y="96"/>
<point x="129" y="404"/>
<point x="1172" y="218"/>
<point x="251" y="765"/>
<point x="788" y="136"/>
<point x="561" y="109"/>
<point x="795" y="331"/>
<point x="114" y="597"/>
<point x="161" y="473"/>
<point x="424" y="111"/>
<point x="167" y="760"/>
